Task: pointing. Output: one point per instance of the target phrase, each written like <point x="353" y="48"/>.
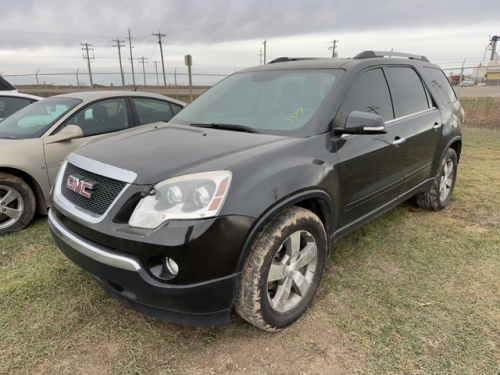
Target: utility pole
<point x="260" y="57"/>
<point x="131" y="58"/>
<point x="334" y="47"/>
<point x="86" y="56"/>
<point x="461" y="76"/>
<point x="37" y="84"/>
<point x="142" y="60"/>
<point x="264" y="43"/>
<point x="77" y="80"/>
<point x="156" y="69"/>
<point x="118" y="41"/>
<point x="188" y="60"/>
<point x="159" y="35"/>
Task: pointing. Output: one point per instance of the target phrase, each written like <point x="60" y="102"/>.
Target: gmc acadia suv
<point x="237" y="201"/>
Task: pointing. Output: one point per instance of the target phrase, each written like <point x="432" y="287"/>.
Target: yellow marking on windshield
<point x="295" y="115"/>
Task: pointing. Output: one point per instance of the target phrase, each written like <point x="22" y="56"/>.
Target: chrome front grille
<point x="104" y="193"/>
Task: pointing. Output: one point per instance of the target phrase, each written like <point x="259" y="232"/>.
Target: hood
<point x="162" y="151"/>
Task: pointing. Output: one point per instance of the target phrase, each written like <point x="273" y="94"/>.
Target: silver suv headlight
<point x="193" y="196"/>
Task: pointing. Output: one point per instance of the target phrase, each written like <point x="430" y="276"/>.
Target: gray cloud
<point x="57" y="22"/>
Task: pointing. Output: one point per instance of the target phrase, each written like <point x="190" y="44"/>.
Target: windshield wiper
<point x="215" y="125"/>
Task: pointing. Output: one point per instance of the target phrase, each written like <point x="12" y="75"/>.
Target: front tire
<point x="283" y="271"/>
<point x="439" y="195"/>
<point x="17" y="204"/>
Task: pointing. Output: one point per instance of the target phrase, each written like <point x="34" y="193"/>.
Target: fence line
<point x="80" y="79"/>
<point x="477" y="74"/>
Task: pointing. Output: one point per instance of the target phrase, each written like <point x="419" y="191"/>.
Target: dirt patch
<point x="303" y="348"/>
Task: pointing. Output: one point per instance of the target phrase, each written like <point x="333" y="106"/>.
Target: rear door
<point x="371" y="170"/>
<point x="419" y="122"/>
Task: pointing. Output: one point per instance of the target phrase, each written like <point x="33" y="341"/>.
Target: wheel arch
<point x="316" y="201"/>
<point x="456" y="144"/>
<point x="33" y="184"/>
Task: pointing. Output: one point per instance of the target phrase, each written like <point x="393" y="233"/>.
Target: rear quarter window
<point x="441" y="84"/>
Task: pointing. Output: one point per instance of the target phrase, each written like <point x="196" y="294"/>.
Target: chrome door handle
<point x="437" y="126"/>
<point x="398" y="142"/>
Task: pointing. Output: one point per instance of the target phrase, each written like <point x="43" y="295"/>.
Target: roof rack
<point x="284" y="59"/>
<point x="370" y="54"/>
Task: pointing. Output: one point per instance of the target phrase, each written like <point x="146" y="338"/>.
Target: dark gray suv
<point x="237" y="202"/>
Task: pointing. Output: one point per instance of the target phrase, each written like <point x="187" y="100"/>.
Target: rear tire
<point x="439" y="195"/>
<point x="283" y="271"/>
<point x="17" y="204"/>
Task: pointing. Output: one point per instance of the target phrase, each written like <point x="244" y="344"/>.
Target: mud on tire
<point x="283" y="271"/>
<point x="439" y="194"/>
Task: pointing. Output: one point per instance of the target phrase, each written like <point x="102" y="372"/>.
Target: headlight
<point x="193" y="196"/>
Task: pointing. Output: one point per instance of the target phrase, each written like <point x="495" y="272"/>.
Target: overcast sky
<point x="224" y="35"/>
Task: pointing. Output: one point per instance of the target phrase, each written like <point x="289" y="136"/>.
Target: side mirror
<point x="68" y="133"/>
<point x="363" y="123"/>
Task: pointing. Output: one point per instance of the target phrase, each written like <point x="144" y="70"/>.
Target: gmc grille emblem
<point x="81" y="186"/>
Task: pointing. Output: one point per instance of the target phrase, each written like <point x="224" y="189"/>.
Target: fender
<point x="327" y="208"/>
<point x="441" y="156"/>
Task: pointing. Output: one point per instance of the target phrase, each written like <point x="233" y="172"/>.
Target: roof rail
<point x="284" y="59"/>
<point x="370" y="54"/>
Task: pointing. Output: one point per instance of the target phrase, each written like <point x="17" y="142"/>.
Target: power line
<point x="227" y="23"/>
<point x="57" y="34"/>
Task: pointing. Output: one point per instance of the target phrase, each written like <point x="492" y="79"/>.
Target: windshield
<point x="280" y="102"/>
<point x="32" y="121"/>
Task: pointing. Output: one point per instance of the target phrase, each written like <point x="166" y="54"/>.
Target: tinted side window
<point x="369" y="93"/>
<point x="409" y="93"/>
<point x="10" y="105"/>
<point x="151" y="110"/>
<point x="176" y="108"/>
<point x="441" y="83"/>
<point x="102" y="117"/>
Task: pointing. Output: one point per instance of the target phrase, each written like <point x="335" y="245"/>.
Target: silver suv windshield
<point x="34" y="120"/>
<point x="281" y="102"/>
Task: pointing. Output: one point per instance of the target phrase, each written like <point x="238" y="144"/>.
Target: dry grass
<point x="414" y="292"/>
<point x="482" y="112"/>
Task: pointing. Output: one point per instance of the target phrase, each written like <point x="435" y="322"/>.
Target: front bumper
<point x="125" y="277"/>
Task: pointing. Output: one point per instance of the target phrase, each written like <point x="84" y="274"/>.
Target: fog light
<point x="171" y="266"/>
<point x="164" y="268"/>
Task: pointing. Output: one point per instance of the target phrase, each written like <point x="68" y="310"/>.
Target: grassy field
<point x="414" y="292"/>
